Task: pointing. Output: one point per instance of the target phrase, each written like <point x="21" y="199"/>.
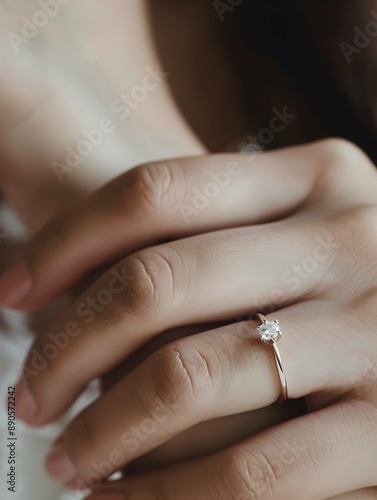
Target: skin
<point x="35" y="203"/>
<point x="316" y="204"/>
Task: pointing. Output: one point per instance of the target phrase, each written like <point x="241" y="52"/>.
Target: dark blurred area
<point x="256" y="56"/>
<point x="311" y="42"/>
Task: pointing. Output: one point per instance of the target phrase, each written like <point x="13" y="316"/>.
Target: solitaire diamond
<point x="269" y="331"/>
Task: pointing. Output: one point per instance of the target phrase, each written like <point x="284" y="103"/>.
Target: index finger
<point x="156" y="202"/>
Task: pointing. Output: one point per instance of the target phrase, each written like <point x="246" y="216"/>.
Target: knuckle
<point x="341" y="151"/>
<point x="342" y="163"/>
<point x="155" y="188"/>
<point x="183" y="376"/>
<point x="149" y="275"/>
<point x="247" y="475"/>
<point x="151" y="284"/>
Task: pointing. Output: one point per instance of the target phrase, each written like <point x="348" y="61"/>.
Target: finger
<point x="364" y="494"/>
<point x="202" y="377"/>
<point x="158" y="201"/>
<point x="212" y="436"/>
<point x="209" y="277"/>
<point x="206" y="437"/>
<point x="313" y="457"/>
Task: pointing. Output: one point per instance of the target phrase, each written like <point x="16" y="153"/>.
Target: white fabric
<point x="16" y="334"/>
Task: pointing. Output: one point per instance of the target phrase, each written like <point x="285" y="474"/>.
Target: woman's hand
<point x="291" y="231"/>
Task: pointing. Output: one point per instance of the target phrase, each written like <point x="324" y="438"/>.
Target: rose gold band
<point x="270" y="334"/>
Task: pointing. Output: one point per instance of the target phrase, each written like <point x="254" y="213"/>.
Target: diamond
<point x="269" y="331"/>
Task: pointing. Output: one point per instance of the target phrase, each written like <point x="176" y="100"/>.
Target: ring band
<point x="270" y="333"/>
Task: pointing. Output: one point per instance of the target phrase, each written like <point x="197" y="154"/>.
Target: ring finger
<point x="206" y="376"/>
<point x="215" y="276"/>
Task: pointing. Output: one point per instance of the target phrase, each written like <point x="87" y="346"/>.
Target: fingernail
<point x="106" y="496"/>
<point x="15" y="284"/>
<point x="26" y="406"/>
<point x="59" y="465"/>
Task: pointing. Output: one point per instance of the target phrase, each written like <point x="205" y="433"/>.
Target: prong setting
<point x="269" y="331"/>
